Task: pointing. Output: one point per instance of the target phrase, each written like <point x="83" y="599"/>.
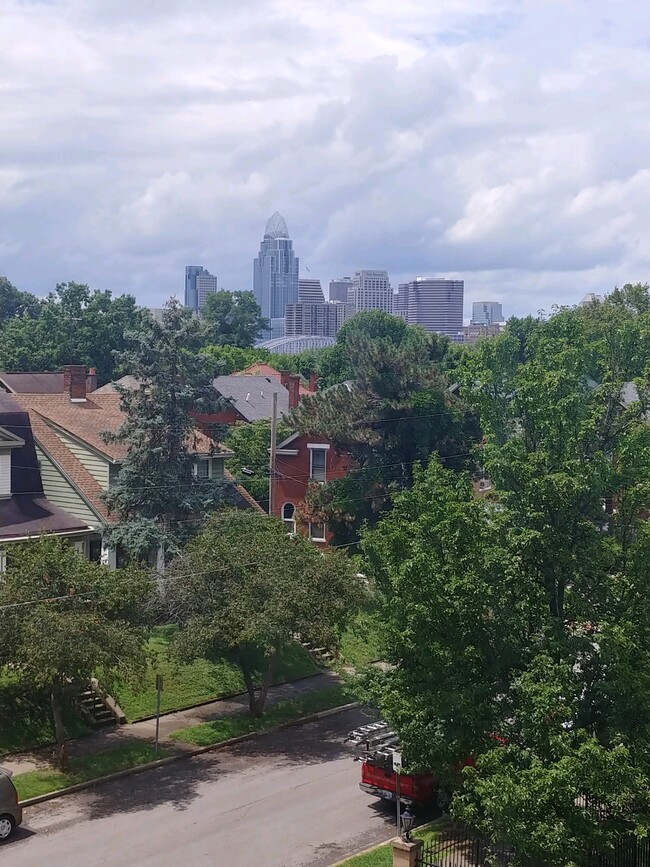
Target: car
<point x="11" y="813"/>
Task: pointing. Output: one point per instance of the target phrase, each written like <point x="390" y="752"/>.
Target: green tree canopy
<point x="233" y="319"/>
<point x="244" y="584"/>
<point x="158" y="497"/>
<point x="14" y="303"/>
<point x="525" y="614"/>
<point x="73" y="325"/>
<point x="395" y="413"/>
<point x="64" y="620"/>
<point x="250" y="443"/>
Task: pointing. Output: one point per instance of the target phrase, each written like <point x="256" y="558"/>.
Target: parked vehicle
<point x="378" y="746"/>
<point x="11" y="813"/>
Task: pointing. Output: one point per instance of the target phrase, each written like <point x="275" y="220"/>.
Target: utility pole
<point x="274" y="424"/>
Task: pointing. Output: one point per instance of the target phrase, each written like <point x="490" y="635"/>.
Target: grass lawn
<point x="201" y="680"/>
<point x="223" y="728"/>
<point x="383" y="857"/>
<point x="34" y="783"/>
<point x="25" y="718"/>
<point x="360" y="643"/>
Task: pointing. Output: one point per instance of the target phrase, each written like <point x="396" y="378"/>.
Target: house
<point x="262" y="369"/>
<point x="303" y="460"/>
<point x="77" y="467"/>
<point x="25" y="510"/>
<point x="40" y="382"/>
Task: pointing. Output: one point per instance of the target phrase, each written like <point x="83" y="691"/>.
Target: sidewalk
<point x="105" y="739"/>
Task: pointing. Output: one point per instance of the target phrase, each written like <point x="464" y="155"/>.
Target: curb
<point x="361" y="852"/>
<point x="169" y="760"/>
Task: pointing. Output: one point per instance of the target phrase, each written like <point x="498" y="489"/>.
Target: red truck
<point x="379" y="744"/>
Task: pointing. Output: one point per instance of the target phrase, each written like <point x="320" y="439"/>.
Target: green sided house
<point x="25" y="510"/>
<point x="76" y="466"/>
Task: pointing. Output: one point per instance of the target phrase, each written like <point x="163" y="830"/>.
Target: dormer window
<point x="8" y="442"/>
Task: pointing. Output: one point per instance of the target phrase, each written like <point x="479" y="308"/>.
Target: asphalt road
<point x="285" y="800"/>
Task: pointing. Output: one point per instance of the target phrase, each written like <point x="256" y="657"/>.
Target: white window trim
<point x="312" y="448"/>
<point x="325" y="446"/>
<point x="322" y="538"/>
<point x="288" y="521"/>
<point x="195" y="469"/>
<point x="3" y="561"/>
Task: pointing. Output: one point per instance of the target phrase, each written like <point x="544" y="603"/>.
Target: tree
<point x="14" y="303"/>
<point x="73" y="324"/>
<point x="250" y="443"/>
<point x="396" y="413"/>
<point x="245" y="585"/>
<point x="526" y="614"/>
<point x="233" y="319"/>
<point x="158" y="496"/>
<point x="232" y="359"/>
<point x="64" y="620"/>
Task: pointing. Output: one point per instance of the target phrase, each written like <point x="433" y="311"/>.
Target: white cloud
<point x="504" y="141"/>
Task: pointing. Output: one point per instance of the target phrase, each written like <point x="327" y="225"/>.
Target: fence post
<point x="405" y="854"/>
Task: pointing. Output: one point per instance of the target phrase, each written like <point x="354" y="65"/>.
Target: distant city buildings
<point x="474" y="333"/>
<point x="371" y="290"/>
<point x="310" y="291"/>
<point x="486" y="313"/>
<point x="319" y="318"/>
<point x="339" y="289"/>
<point x="275" y="273"/>
<point x="433" y="302"/>
<point x="199" y="283"/>
<point x="292" y="345"/>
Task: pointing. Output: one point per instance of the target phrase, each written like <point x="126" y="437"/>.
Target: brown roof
<point x="32" y="383"/>
<point x="23" y="515"/>
<point x="260" y="368"/>
<point x="243" y="493"/>
<point x="99" y="412"/>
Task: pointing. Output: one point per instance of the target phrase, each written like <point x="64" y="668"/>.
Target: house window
<point x="289" y="517"/>
<point x="203" y="469"/>
<point x="5" y="474"/>
<point x="3" y="561"/>
<point x="317" y="532"/>
<point x="318" y="464"/>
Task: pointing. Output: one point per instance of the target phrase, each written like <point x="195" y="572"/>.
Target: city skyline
<point x="159" y="135"/>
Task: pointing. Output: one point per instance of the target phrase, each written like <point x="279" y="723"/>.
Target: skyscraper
<point x="310" y="291"/>
<point x="486" y="313"/>
<point x="315" y="318"/>
<point x="199" y="283"/>
<point x="433" y="302"/>
<point x="275" y="272"/>
<point x="339" y="289"/>
<point x="370" y="290"/>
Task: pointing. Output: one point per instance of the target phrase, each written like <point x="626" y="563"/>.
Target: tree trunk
<point x="257" y="701"/>
<point x="59" y="728"/>
<point x="267" y="680"/>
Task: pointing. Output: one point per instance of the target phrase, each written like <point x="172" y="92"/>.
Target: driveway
<point x="285" y="800"/>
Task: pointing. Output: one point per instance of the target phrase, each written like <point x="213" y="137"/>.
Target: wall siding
<point x="96" y="465"/>
<point x="61" y="492"/>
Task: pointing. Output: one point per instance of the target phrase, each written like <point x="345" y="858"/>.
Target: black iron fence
<point x="459" y="846"/>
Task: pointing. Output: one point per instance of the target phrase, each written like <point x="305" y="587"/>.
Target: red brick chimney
<point x="294" y="390"/>
<point x="91" y="380"/>
<point x="285" y="376"/>
<point x="313" y="381"/>
<point x="74" y="382"/>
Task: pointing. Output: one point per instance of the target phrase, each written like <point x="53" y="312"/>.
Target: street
<point x="285" y="800"/>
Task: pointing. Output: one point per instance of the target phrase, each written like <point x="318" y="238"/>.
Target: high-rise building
<point x="370" y="290"/>
<point x="199" y="283"/>
<point x="473" y="333"/>
<point x="433" y="302"/>
<point x="486" y="312"/>
<point x="339" y="289"/>
<point x="275" y="271"/>
<point x="319" y="318"/>
<point x="310" y="291"/>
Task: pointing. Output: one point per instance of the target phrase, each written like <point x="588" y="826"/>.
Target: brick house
<point x="303" y="460"/>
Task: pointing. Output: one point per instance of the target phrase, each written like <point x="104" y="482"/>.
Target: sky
<point x="504" y="142"/>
